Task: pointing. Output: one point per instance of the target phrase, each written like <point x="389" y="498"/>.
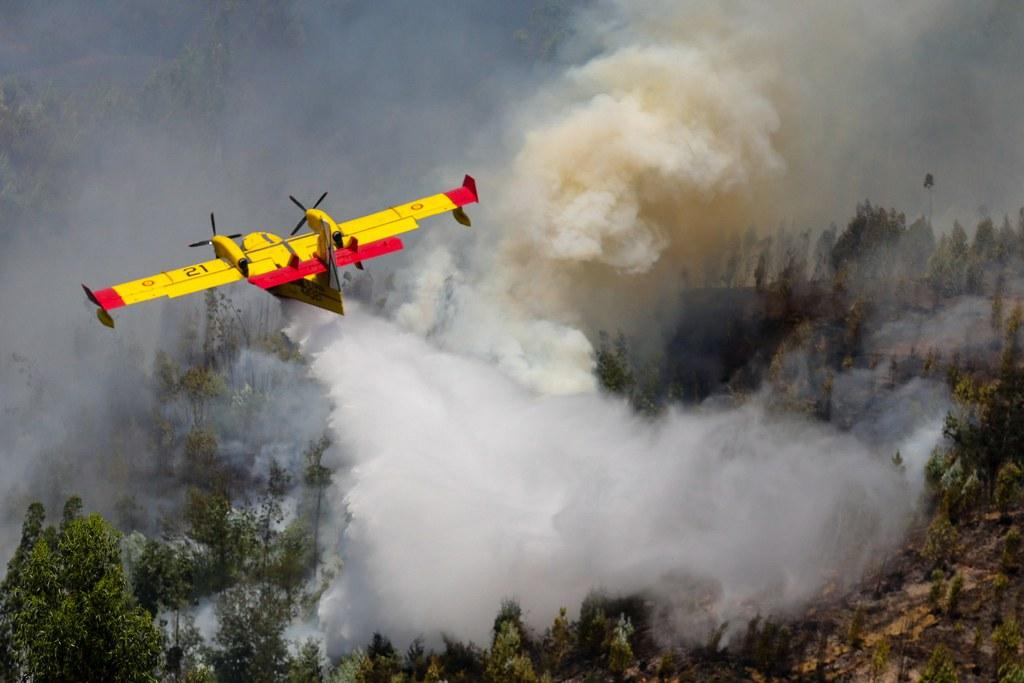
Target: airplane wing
<point x="171" y="283"/>
<point x="274" y="262"/>
<point x="402" y="218"/>
<point x="398" y="219"/>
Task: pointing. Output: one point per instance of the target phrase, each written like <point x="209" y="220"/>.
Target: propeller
<point x="213" y="225"/>
<point x="304" y="209"/>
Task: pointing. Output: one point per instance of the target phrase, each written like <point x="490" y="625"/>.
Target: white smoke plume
<point x="465" y="488"/>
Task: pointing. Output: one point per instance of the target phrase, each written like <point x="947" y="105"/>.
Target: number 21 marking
<point x="196" y="270"/>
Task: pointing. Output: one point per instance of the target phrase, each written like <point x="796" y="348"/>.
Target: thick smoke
<point x="466" y="488"/>
<point x="631" y="172"/>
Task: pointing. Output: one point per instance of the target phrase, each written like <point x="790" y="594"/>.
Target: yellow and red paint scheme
<point x="273" y="263"/>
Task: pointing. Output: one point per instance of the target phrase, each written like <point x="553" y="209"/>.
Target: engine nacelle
<point x="227" y="249"/>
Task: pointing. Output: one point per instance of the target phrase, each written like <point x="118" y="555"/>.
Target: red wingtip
<point x="105" y="298"/>
<point x="466" y="194"/>
<point x="469" y="182"/>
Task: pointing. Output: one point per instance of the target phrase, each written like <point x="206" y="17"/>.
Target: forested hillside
<point x="177" y="500"/>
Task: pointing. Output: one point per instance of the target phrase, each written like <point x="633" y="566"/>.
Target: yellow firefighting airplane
<point x="304" y="267"/>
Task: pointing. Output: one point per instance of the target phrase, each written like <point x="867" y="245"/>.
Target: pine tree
<point x="620" y="652"/>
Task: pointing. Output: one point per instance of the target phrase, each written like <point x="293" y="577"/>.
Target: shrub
<point x="880" y="658"/>
<point x="1012" y="674"/>
<point x="940" y="542"/>
<point x="941" y="667"/>
<point x="666" y="666"/>
<point x="620" y="652"/>
<point x="856" y="630"/>
<point x="560" y="641"/>
<point x="1010" y="559"/>
<point x="1006" y="643"/>
<point x="953" y="597"/>
<point x="1007" y="493"/>
<point x="593" y="626"/>
<point x="767" y="647"/>
<point x="938" y="588"/>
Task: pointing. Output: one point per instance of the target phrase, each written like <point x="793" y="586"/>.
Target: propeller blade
<point x="235" y="236"/>
<point x="213" y="223"/>
<point x="320" y="200"/>
<point x="297" y="202"/>
<point x="200" y="244"/>
<point x="299" y="225"/>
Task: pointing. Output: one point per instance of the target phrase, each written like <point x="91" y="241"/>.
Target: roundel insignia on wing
<point x="416" y="207"/>
<point x="148" y="283"/>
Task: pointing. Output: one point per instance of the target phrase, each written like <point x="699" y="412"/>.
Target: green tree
<point x="250" y="638"/>
<point x="996" y="316"/>
<point x="317" y="477"/>
<point x="940" y="541"/>
<point x="510" y="612"/>
<point x="228" y="537"/>
<point x="880" y="658"/>
<point x="871" y="235"/>
<point x="937" y="589"/>
<point x="985" y="247"/>
<point x="1012" y="674"/>
<point x="162" y="578"/>
<point x="288" y="563"/>
<point x="941" y="667"/>
<point x="614" y="371"/>
<point x="166" y="378"/>
<point x="593" y="623"/>
<point x="200" y="386"/>
<point x="269" y="512"/>
<point x="72" y="511"/>
<point x="434" y="671"/>
<point x="1006" y="641"/>
<point x="560" y="641"/>
<point x="1009" y="561"/>
<point x="1008" y="481"/>
<point x="381" y="663"/>
<point x="855" y="632"/>
<point x="951" y="269"/>
<point x="506" y="662"/>
<point x="10" y="599"/>
<point x="201" y="457"/>
<point x="620" y="652"/>
<point x="956" y="589"/>
<point x="767" y="646"/>
<point x="308" y="665"/>
<point x="415" y="660"/>
<point x="75" y="619"/>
